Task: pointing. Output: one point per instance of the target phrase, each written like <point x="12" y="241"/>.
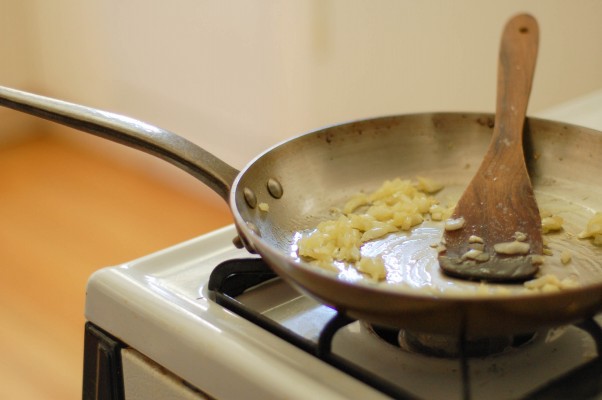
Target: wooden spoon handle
<point x="518" y="53"/>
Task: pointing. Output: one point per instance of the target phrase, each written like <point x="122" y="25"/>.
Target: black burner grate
<point x="233" y="277"/>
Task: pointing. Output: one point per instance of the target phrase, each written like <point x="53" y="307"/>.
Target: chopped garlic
<point x="512" y="248"/>
<point x="374" y="267"/>
<point x="379" y="229"/>
<point x="264" y="207"/>
<point x="565" y="257"/>
<point x="471" y="254"/>
<point x="551" y="223"/>
<point x="427" y="185"/>
<point x="593" y="229"/>
<point x="476" y="255"/>
<point x="356" y="202"/>
<point x="540" y="282"/>
<point x="475" y="239"/>
<point x="397" y="205"/>
<point x="454" y="224"/>
<point x="550" y="283"/>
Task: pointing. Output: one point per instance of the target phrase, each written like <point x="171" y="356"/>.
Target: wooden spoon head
<point x="497" y="213"/>
<point x="496" y="269"/>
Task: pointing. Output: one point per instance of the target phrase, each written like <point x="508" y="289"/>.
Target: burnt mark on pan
<point x="327" y="135"/>
<point x="438" y="122"/>
<point x="488" y="122"/>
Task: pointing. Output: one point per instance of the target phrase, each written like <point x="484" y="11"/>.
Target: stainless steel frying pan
<point x="302" y="178"/>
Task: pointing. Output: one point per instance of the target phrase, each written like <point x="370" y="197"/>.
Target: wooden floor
<point x="66" y="211"/>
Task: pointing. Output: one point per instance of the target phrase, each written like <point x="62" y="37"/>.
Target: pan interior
<point x="321" y="170"/>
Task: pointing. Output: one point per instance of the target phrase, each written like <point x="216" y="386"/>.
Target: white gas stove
<point x="172" y="325"/>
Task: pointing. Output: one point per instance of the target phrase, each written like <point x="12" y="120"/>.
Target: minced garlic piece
<point x="475" y="239"/>
<point x="264" y="207"/>
<point x="593" y="229"/>
<point x="454" y="224"/>
<point x="565" y="257"/>
<point x="374" y="267"/>
<point x="476" y="255"/>
<point x="427" y="185"/>
<point x="551" y="223"/>
<point x="512" y="248"/>
<point x="550" y="283"/>
<point x="355" y="202"/>
<point x="332" y="240"/>
<point x="378" y="230"/>
<point x="439" y="213"/>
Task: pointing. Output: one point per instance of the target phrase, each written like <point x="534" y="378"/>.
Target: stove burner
<point x="231" y="278"/>
<point x="446" y="346"/>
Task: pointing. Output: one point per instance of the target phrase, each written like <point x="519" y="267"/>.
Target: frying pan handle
<point x="168" y="146"/>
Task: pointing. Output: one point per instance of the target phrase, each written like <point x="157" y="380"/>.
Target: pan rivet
<point x="250" y="197"/>
<point x="238" y="243"/>
<point x="275" y="188"/>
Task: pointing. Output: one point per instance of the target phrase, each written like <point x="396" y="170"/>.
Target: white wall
<point x="17" y="66"/>
<point x="239" y="76"/>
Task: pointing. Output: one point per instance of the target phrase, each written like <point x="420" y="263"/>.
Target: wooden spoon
<point x="498" y="206"/>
